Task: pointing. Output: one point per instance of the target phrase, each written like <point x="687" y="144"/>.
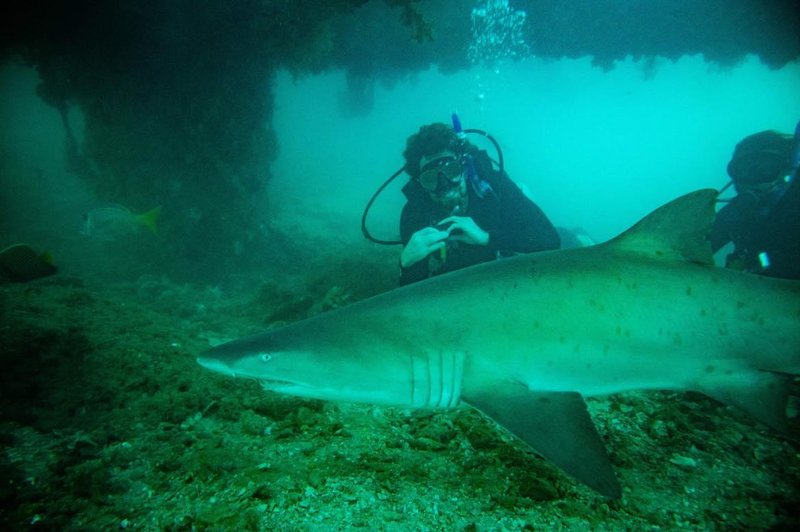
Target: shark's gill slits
<point x="436" y="379"/>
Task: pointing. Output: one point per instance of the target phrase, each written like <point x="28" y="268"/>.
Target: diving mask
<point x="441" y="174"/>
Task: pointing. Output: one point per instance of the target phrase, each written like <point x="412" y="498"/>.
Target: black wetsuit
<point x="768" y="224"/>
<point x="514" y="223"/>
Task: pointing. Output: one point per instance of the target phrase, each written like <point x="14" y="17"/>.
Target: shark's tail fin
<point x="149" y="219"/>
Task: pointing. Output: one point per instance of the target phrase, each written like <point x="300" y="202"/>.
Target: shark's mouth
<point x="276" y="382"/>
<point x="281" y="384"/>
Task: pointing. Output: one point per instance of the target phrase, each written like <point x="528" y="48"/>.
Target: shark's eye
<point x="265" y="357"/>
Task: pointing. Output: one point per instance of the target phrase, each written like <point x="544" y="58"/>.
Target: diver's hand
<point x="421" y="244"/>
<point x="464" y="229"/>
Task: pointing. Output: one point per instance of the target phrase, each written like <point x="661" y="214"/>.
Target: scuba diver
<point x="460" y="210"/>
<point x="763" y="219"/>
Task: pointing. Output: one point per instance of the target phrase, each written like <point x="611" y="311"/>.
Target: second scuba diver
<point x="763" y="220"/>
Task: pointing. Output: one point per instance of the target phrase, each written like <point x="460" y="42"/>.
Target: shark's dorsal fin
<point x="677" y="230"/>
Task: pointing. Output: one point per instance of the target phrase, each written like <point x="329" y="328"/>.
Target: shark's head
<point x="289" y="372"/>
<point x="305" y="366"/>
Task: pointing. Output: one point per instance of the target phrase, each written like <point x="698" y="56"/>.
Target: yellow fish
<point x="114" y="221"/>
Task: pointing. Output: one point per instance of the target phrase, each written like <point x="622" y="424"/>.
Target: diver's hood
<point x="760" y="158"/>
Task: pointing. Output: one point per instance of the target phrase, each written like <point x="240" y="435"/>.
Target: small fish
<point x="20" y="263"/>
<point x="115" y="221"/>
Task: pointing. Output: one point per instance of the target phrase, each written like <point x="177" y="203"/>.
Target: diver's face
<point x="452" y="197"/>
<point x="442" y="176"/>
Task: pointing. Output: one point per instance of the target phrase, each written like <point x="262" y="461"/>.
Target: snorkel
<point x="479" y="186"/>
<point x="457" y="127"/>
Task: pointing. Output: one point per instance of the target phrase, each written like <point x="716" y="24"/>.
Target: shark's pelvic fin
<point x="763" y="395"/>
<point x="678" y="230"/>
<point x="558" y="426"/>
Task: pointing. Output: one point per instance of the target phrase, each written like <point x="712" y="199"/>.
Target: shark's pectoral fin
<point x="764" y="395"/>
<point x="557" y="426"/>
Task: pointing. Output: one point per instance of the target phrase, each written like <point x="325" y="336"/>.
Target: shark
<point x="524" y="340"/>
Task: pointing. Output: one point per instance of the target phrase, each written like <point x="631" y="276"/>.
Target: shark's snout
<point x="215" y="364"/>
